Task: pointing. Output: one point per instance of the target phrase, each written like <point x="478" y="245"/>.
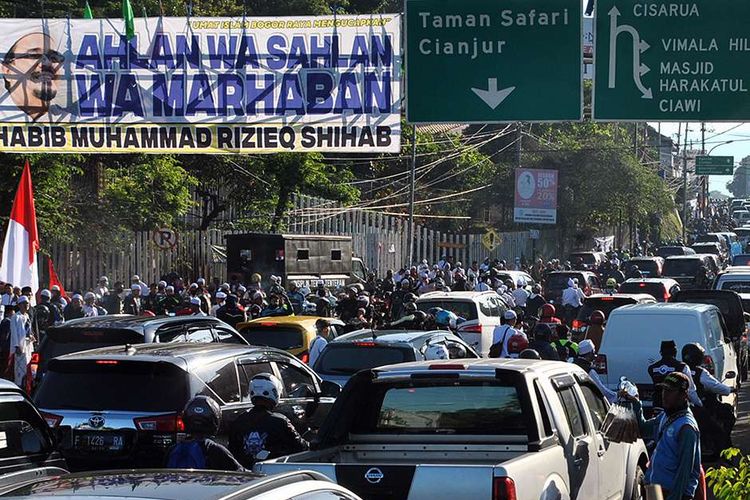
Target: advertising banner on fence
<point x="536" y="196"/>
<point x="201" y="85"/>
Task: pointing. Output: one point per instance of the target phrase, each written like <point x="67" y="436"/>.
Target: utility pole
<point x="684" y="188"/>
<point x="412" y="180"/>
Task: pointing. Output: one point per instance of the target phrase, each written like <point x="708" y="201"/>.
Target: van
<point x="633" y="336"/>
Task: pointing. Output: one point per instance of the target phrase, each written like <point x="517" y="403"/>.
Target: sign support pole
<point x="705" y="177"/>
<point x="412" y="180"/>
<point x="684" y="187"/>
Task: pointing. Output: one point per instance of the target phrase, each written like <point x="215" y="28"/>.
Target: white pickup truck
<point x="479" y="429"/>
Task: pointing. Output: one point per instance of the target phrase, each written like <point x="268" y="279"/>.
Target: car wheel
<point x="638" y="492"/>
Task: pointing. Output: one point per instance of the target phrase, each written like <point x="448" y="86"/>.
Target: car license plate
<point x="99" y="442"/>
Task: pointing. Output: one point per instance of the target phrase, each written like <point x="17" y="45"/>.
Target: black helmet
<point x="410" y="297"/>
<point x="529" y="354"/>
<point x="410" y="307"/>
<point x="202" y="415"/>
<point x="693" y="354"/>
<point x="542" y="331"/>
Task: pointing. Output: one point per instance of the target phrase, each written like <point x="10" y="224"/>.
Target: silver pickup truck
<point x="499" y="429"/>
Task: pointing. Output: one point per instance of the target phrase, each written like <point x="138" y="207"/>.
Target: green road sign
<point x="714" y="165"/>
<point x="664" y="60"/>
<point x="484" y="61"/>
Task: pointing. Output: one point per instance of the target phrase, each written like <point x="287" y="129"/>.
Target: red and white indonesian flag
<point x="18" y="264"/>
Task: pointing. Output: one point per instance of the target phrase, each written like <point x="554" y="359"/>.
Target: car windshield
<point x="647" y="267"/>
<point x="350" y="358"/>
<point x="669" y="251"/>
<point x="603" y="304"/>
<point x="587" y="258"/>
<point x="113" y="385"/>
<point x="681" y="267"/>
<point x="656" y="290"/>
<point x="560" y="281"/>
<point x="63" y="340"/>
<point x="466" y="309"/>
<point x="445" y="407"/>
<point x="706" y="249"/>
<point x="739" y="286"/>
<point x="280" y="337"/>
<point x="741" y="260"/>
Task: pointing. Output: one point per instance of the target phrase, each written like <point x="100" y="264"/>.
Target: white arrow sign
<point x="492" y="97"/>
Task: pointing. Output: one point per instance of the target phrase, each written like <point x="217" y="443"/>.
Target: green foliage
<point x="730" y="483"/>
<point x="146" y="192"/>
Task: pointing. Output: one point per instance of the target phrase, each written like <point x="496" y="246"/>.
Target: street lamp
<point x="720" y="144"/>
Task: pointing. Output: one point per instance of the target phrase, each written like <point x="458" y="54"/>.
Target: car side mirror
<point x="731" y="375"/>
<point x="329" y="389"/>
<point x="302" y="391"/>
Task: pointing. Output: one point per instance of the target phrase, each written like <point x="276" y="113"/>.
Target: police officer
<point x="675" y="464"/>
<point x="260" y="433"/>
<point x="670" y="364"/>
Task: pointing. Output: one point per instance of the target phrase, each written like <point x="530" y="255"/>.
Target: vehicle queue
<point x="272" y="372"/>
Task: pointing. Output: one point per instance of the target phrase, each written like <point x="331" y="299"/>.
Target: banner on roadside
<point x="201" y="85"/>
<point x="536" y="196"/>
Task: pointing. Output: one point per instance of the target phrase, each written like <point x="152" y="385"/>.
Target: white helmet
<point x="436" y="351"/>
<point x="266" y="385"/>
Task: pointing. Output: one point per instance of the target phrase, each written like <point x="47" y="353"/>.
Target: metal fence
<point x="380" y="240"/>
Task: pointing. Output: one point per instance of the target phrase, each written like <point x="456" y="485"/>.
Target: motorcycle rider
<point x="611" y="286"/>
<point x="566" y="348"/>
<point x="714" y="418"/>
<point x="202" y="418"/>
<point x="261" y="433"/>
<point x="585" y="359"/>
<point x="541" y="342"/>
<point x="595" y="330"/>
<point x="503" y="333"/>
<point x="535" y="301"/>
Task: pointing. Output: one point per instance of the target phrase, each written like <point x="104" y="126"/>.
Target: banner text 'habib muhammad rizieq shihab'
<point x="201" y="85"/>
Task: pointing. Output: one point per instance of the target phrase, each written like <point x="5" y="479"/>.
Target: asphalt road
<point x="741" y="433"/>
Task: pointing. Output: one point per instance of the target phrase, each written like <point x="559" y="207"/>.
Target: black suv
<point x="28" y="449"/>
<point x="121" y="405"/>
<point x="106" y="331"/>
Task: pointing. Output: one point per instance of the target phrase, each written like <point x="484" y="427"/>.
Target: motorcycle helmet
<point x="436" y="351"/>
<point x="410" y="307"/>
<point x="266" y="386"/>
<point x="446" y="318"/>
<point x="517" y="343"/>
<point x="529" y="354"/>
<point x="202" y="415"/>
<point x="693" y="354"/>
<point x="611" y="283"/>
<point x="548" y="311"/>
<point x="596" y="318"/>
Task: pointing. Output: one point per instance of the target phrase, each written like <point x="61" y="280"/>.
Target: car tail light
<point x="34" y="364"/>
<point x="471" y="329"/>
<point x="267" y="323"/>
<point x="160" y="423"/>
<point x="503" y="488"/>
<point x="600" y="364"/>
<point x="51" y="419"/>
<point x="35" y="358"/>
<point x="578" y="324"/>
<point x="708" y="364"/>
<point x="607" y="299"/>
<point x="107" y="362"/>
<point x="305" y="357"/>
<point x="364" y="344"/>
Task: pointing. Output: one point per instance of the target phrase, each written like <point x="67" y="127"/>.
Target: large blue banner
<point x="210" y="85"/>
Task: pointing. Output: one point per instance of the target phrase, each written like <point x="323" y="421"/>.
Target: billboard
<point x="536" y="196"/>
<point x="201" y="85"/>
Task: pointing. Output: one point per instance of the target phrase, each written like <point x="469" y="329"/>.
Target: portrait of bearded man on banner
<point x="31" y="70"/>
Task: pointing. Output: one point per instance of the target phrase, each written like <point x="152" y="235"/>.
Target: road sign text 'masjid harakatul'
<point x="672" y="61"/>
<point x="484" y="61"/>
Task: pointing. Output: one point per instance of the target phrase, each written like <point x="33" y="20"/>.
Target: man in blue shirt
<point x="676" y="461"/>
